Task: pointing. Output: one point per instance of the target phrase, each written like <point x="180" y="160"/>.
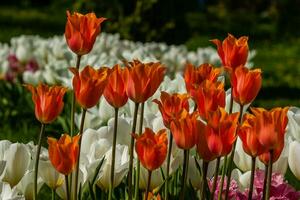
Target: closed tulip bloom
<point x="185" y="130"/>
<point x="89" y="85"/>
<point x="265" y="157"/>
<point x="245" y="84"/>
<point x="221" y="131"/>
<point x="115" y="90"/>
<point x="202" y="146"/>
<point x="208" y="97"/>
<point x="196" y="75"/>
<point x="143" y="79"/>
<point x="233" y="52"/>
<point x="247" y="133"/>
<point x="271" y="126"/>
<point x="81" y="31"/>
<point x="63" y="153"/>
<point x="171" y="106"/>
<point x="48" y="101"/>
<point x="151" y="148"/>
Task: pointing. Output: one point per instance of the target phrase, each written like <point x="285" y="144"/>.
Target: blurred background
<point x="272" y="26"/>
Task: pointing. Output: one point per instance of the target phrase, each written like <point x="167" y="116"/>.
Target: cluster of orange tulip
<point x="207" y="125"/>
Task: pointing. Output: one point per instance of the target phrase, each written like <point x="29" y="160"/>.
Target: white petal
<point x="294" y="158"/>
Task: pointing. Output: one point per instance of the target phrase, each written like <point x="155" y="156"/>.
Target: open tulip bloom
<point x="185" y="141"/>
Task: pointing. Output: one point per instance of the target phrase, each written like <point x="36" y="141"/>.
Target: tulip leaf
<point x="162" y="173"/>
<point x="97" y="171"/>
<point x="91" y="189"/>
<point x="198" y="166"/>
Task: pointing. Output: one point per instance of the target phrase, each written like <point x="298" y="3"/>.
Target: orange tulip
<point x="151" y="148"/>
<point x="143" y="79"/>
<point x="265" y="157"/>
<point x="202" y="145"/>
<point x="115" y="90"/>
<point x="208" y="96"/>
<point x="89" y="85"/>
<point x="221" y="131"/>
<point x="245" y="84"/>
<point x="185" y="130"/>
<point x="171" y="106"/>
<point x="196" y="75"/>
<point x="48" y="101"/>
<point x="271" y="126"/>
<point x="247" y="133"/>
<point x="233" y="52"/>
<point x="63" y="153"/>
<point x="81" y="31"/>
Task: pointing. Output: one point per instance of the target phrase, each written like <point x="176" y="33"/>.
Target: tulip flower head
<point x="151" y="148"/>
<point x="185" y="130"/>
<point x="143" y="79"/>
<point x="233" y="52"/>
<point x="208" y="97"/>
<point x="81" y="31"/>
<point x="63" y="153"/>
<point x="247" y="133"/>
<point x="196" y="75"/>
<point x="221" y="131"/>
<point x="48" y="101"/>
<point x="271" y="126"/>
<point x="171" y="106"/>
<point x="245" y="84"/>
<point x="89" y="85"/>
<point x="115" y="90"/>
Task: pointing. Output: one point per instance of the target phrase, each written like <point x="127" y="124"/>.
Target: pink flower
<point x="233" y="189"/>
<point x="280" y="189"/>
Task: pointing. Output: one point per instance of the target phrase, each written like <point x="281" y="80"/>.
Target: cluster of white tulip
<point x="54" y="57"/>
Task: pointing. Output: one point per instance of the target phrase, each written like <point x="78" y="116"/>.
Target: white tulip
<point x="294" y="158"/>
<point x="4" y="145"/>
<point x="49" y="175"/>
<point x="243" y="180"/>
<point x="26" y="185"/>
<point x="17" y="158"/>
<point x="194" y="175"/>
<point x="156" y="178"/>
<point x="294" y="123"/>
<point x="7" y="193"/>
<point x="241" y="159"/>
<point x="236" y="106"/>
<point x="121" y="167"/>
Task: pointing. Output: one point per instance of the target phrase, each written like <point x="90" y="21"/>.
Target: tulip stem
<point x="67" y="188"/>
<point x="168" y="167"/>
<point x="184" y="172"/>
<point x="231" y="102"/>
<point x="53" y="194"/>
<point x="112" y="169"/>
<point x="148" y="184"/>
<point x="204" y="180"/>
<point x="37" y="158"/>
<point x="222" y="178"/>
<point x="79" y="149"/>
<point x="269" y="180"/>
<point x="137" y="180"/>
<point x="229" y="169"/>
<point x="265" y="181"/>
<point x="73" y="101"/>
<point x="215" y="179"/>
<point x="136" y="107"/>
<point x="252" y="178"/>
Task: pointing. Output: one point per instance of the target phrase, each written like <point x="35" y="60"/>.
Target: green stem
<point x="73" y="101"/>
<point x="148" y="184"/>
<point x="184" y="172"/>
<point x="136" y="107"/>
<point x="265" y="181"/>
<point x="168" y="167"/>
<point x="215" y="179"/>
<point x="230" y="163"/>
<point x="79" y="149"/>
<point x="53" y="194"/>
<point x="67" y="187"/>
<point x="112" y="169"/>
<point x="231" y="102"/>
<point x="37" y="158"/>
<point x="252" y="178"/>
<point x="269" y="180"/>
<point x="204" y="179"/>
<point x="222" y="179"/>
